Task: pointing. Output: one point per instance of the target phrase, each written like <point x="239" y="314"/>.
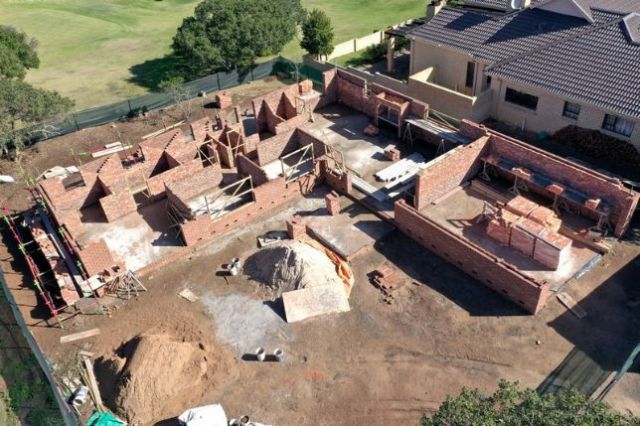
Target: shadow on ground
<point x="604" y="338"/>
<point x="150" y="73"/>
<point x="428" y="269"/>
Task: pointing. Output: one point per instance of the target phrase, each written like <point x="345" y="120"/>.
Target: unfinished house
<point x="516" y="218"/>
<point x="127" y="212"/>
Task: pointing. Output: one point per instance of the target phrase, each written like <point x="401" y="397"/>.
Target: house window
<point x="617" y="125"/>
<point x="571" y="110"/>
<point x="471" y="73"/>
<point x="520" y="98"/>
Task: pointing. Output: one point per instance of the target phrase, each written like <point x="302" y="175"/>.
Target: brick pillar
<point x="296" y="228"/>
<point x="346" y="181"/>
<point x="333" y="203"/>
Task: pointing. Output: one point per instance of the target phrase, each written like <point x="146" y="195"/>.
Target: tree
<point x="224" y="34"/>
<point x="23" y="106"/>
<point x="511" y="405"/>
<point x="17" y="53"/>
<point x="317" y="34"/>
<point x="174" y="87"/>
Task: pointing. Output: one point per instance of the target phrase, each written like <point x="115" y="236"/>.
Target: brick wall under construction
<point x="472" y="259"/>
<point x="266" y="198"/>
<point x="449" y="171"/>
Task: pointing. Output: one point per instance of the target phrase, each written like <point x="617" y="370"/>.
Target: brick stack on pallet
<point x="532" y="230"/>
<point x="387" y="280"/>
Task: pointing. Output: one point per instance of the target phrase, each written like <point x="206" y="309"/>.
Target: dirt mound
<point x="291" y="265"/>
<point x="154" y="367"/>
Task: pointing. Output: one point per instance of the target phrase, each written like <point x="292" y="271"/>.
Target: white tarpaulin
<point x="208" y="415"/>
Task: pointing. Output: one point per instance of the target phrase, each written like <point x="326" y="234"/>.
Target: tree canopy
<point x="22" y="106"/>
<point x="17" y="53"/>
<point x="224" y="34"/>
<point x="317" y="34"/>
<point x="511" y="405"/>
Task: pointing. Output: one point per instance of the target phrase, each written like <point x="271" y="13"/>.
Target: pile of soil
<point x="153" y="368"/>
<point x="291" y="265"/>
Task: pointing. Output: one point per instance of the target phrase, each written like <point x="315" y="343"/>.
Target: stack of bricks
<point x="524" y="234"/>
<point x="392" y="153"/>
<point x="297" y="228"/>
<point x="387" y="280"/>
<point x="552" y="250"/>
<point x="499" y="228"/>
<point x="532" y="230"/>
<point x="333" y="203"/>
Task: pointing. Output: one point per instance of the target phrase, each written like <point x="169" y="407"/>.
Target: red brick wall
<point x="305" y="138"/>
<point x="329" y="87"/>
<point x="225" y="153"/>
<point x="267" y="198"/>
<point x="115" y="206"/>
<point x="156" y="183"/>
<point x="622" y="201"/>
<point x="275" y="147"/>
<point x="248" y="167"/>
<point x="472" y="259"/>
<point x="452" y="169"/>
<point x="472" y="130"/>
<point x="96" y="257"/>
<point x="352" y="92"/>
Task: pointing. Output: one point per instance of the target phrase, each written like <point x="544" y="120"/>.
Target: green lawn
<point x="95" y="51"/>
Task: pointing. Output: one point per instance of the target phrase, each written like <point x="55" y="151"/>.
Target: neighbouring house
<point x="540" y="66"/>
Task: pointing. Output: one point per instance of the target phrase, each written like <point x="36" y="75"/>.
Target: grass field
<point x="96" y="51"/>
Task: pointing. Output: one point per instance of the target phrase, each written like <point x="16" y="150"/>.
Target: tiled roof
<point x="490" y="4"/>
<point x="600" y="67"/>
<point x="596" y="63"/>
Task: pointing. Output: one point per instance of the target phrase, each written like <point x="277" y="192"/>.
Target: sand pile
<point x="153" y="368"/>
<point x="291" y="265"/>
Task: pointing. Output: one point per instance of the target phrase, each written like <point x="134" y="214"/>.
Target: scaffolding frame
<point x="38" y="281"/>
<point x="306" y="156"/>
<point x="337" y="156"/>
<point x="238" y="191"/>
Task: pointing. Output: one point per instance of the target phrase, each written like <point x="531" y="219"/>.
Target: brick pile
<point x="532" y="230"/>
<point x="387" y="280"/>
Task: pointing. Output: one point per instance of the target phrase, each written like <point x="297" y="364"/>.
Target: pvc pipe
<point x="279" y="354"/>
<point x="261" y="354"/>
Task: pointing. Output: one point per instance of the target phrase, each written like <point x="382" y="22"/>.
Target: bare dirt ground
<point x="378" y="364"/>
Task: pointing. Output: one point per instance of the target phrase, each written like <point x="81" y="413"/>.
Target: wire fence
<point x="131" y="107"/>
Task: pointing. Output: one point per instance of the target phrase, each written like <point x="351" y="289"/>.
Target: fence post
<point x="251" y="71"/>
<point x="75" y="121"/>
<point x="129" y="103"/>
<point x="218" y="80"/>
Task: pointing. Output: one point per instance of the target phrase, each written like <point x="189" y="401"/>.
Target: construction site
<point x="327" y="253"/>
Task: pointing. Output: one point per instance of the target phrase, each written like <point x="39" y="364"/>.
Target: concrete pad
<point x="138" y="238"/>
<point x="313" y="301"/>
<point x="349" y="232"/>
